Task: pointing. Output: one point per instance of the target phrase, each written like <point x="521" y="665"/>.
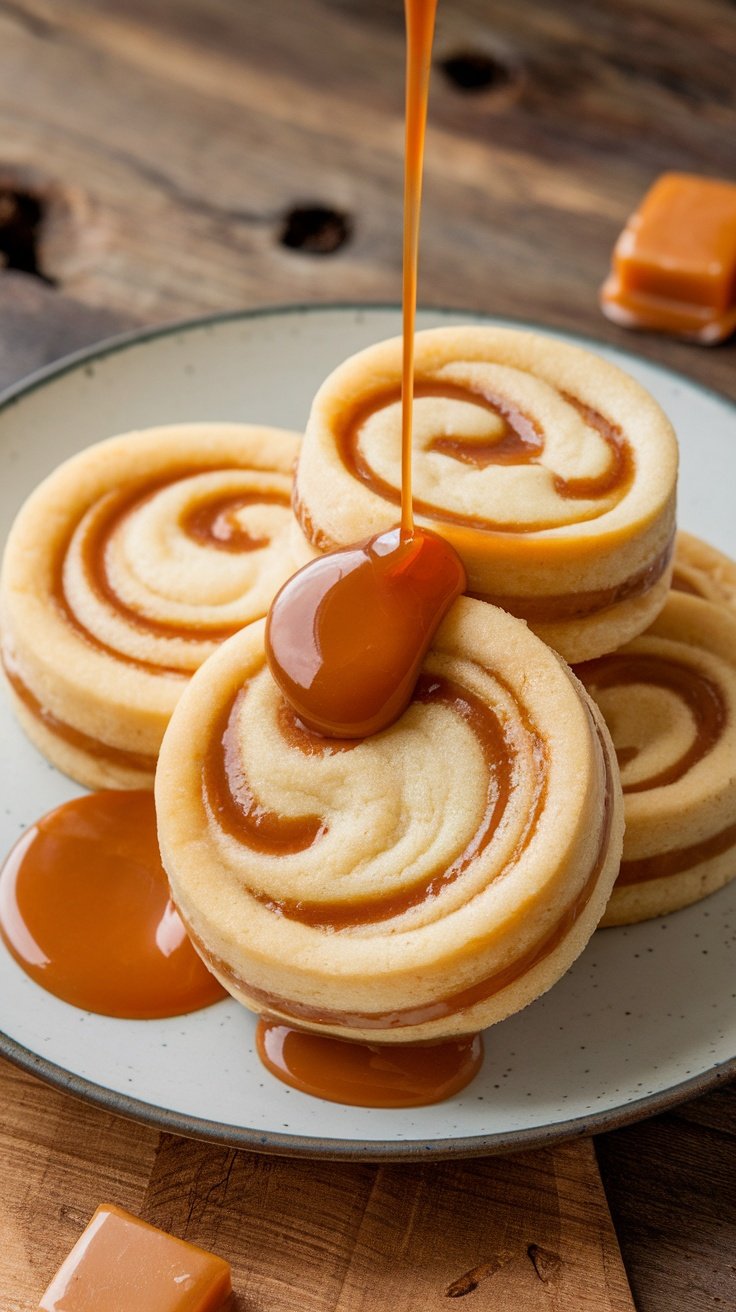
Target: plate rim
<point x="316" y="1146"/>
<point x="376" y="1150"/>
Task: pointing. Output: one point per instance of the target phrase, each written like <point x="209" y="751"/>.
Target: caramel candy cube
<point x="120" y="1264"/>
<point x="674" y="265"/>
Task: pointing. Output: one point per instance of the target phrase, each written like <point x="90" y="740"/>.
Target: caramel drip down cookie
<point x="550" y="471"/>
<point x="124" y="570"/>
<point x="669" y="699"/>
<point x="424" y="882"/>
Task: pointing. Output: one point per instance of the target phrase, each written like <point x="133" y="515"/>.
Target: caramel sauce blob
<point x="346" y="636"/>
<point x="85" y="910"/>
<point x="368" y="1074"/>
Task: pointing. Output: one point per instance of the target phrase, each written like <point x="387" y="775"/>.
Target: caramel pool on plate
<point x="121" y="1263"/>
<point x="674" y="265"/>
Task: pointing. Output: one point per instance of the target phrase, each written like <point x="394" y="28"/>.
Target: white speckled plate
<point x="644" y="1019"/>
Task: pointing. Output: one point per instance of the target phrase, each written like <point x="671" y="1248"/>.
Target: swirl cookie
<point x="703" y="571"/>
<point x="423" y="882"/>
<point x="550" y="471"/>
<point x="124" y="570"/>
<point x="669" y="699"/>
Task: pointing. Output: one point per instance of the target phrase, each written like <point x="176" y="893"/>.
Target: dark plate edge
<point x="299" y="1145"/>
<point x="294" y="1145"/>
<point x="120" y="342"/>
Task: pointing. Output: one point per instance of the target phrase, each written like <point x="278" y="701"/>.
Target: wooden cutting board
<point x="529" y="1233"/>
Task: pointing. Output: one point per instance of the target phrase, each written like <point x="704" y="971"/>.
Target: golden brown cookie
<point x="703" y="571"/>
<point x="550" y="471"/>
<point x="425" y="881"/>
<point x="669" y="699"/>
<point x="124" y="570"/>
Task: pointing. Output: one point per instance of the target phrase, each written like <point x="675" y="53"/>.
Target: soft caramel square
<point x="120" y="1264"/>
<point x="674" y="265"/>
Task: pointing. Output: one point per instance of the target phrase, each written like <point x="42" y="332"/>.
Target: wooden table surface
<point x="161" y="158"/>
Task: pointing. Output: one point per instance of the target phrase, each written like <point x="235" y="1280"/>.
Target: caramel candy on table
<point x="674" y="265"/>
<point x="120" y="1264"/>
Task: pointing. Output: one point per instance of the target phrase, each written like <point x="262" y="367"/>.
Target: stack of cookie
<point x="436" y="877"/>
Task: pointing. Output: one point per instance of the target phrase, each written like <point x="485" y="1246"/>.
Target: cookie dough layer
<point x="669" y="699"/>
<point x="426" y="881"/>
<point x="124" y="570"/>
<point x="551" y="471"/>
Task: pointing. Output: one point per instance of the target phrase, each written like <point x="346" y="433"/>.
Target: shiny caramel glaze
<point x="420" y="20"/>
<point x="83" y="742"/>
<point x="521" y="442"/>
<point x="210" y="522"/>
<point x="673" y="265"/>
<point x="122" y="1264"/>
<point x="85" y="910"/>
<point x="371" y="612"/>
<point x="368" y="1074"/>
<point x="230" y="801"/>
<point x="482" y="989"/>
<point x="701" y="696"/>
<point x="547" y="608"/>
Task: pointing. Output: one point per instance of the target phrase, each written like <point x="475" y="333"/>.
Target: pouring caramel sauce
<point x="84" y="901"/>
<point x="345" y="640"/>
<point x="346" y="635"/>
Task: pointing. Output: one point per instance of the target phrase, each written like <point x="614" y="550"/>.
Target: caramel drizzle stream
<point x="464" y="998"/>
<point x="702" y="697"/>
<point x="208" y="522"/>
<point x="521" y="443"/>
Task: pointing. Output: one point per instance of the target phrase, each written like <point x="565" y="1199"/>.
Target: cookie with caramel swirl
<point x="426" y="881"/>
<point x="124" y="570"/>
<point x="669" y="699"/>
<point x="550" y="471"/>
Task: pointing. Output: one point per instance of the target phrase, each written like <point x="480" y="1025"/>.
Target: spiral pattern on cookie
<point x="669" y="699"/>
<point x="551" y="472"/>
<point x="125" y="569"/>
<point x="423" y="881"/>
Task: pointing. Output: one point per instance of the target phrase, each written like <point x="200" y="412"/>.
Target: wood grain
<point x="59" y="1160"/>
<point x="528" y="1232"/>
<point x="531" y="1232"/>
<point x="165" y="148"/>
<point x="671" y="1184"/>
<point x="170" y="142"/>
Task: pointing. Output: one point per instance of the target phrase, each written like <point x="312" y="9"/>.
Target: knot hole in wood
<point x="473" y="71"/>
<point x="315" y="229"/>
<point x="48" y="230"/>
<point x="21" y="217"/>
